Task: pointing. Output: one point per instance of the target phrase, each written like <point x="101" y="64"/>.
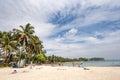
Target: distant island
<point x="54" y="58"/>
<point x="96" y="59"/>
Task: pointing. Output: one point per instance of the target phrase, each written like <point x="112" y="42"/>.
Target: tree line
<point x="54" y="58"/>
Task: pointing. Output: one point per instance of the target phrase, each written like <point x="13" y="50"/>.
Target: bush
<point x="41" y="57"/>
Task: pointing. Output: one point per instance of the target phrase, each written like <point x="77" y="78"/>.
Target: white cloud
<point x="91" y="48"/>
<point x="44" y="30"/>
<point x="106" y="3"/>
<point x="72" y="31"/>
<point x="92" y="12"/>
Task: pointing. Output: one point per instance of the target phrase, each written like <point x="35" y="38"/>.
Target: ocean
<point x="106" y="63"/>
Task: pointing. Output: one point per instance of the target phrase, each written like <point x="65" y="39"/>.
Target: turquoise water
<point x="106" y="63"/>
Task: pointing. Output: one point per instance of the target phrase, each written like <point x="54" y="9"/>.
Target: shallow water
<point x="106" y="63"/>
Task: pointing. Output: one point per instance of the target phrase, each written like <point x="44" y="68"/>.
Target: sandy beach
<point x="61" y="73"/>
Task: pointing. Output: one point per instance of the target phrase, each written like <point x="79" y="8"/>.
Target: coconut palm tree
<point x="8" y="44"/>
<point x="26" y="34"/>
<point x="29" y="42"/>
<point x="25" y="37"/>
<point x="34" y="48"/>
<point x="38" y="48"/>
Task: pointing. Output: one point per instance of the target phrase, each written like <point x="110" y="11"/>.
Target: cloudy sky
<point x="68" y="28"/>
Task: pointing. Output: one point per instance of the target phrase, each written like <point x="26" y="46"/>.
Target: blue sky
<point x="68" y="28"/>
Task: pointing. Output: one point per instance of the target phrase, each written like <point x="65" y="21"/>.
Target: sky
<point x="68" y="28"/>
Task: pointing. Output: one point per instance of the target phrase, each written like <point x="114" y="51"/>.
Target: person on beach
<point x="15" y="65"/>
<point x="33" y="67"/>
<point x="60" y="64"/>
<point x="73" y="63"/>
<point x="78" y="65"/>
<point x="15" y="71"/>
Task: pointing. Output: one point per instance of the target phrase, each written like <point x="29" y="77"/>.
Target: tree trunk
<point x="5" y="60"/>
<point x="8" y="59"/>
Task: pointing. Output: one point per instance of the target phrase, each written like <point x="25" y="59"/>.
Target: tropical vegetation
<point x="54" y="59"/>
<point x="19" y="44"/>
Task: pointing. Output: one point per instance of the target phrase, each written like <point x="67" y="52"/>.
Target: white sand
<point x="61" y="73"/>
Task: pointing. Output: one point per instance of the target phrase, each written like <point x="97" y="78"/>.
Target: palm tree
<point x="25" y="34"/>
<point x="34" y="48"/>
<point x="8" y="44"/>
<point x="38" y="48"/>
<point x="26" y="39"/>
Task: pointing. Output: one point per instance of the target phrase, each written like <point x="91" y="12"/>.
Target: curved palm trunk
<point x="20" y="60"/>
<point x="29" y="59"/>
<point x="8" y="59"/>
<point x="5" y="60"/>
